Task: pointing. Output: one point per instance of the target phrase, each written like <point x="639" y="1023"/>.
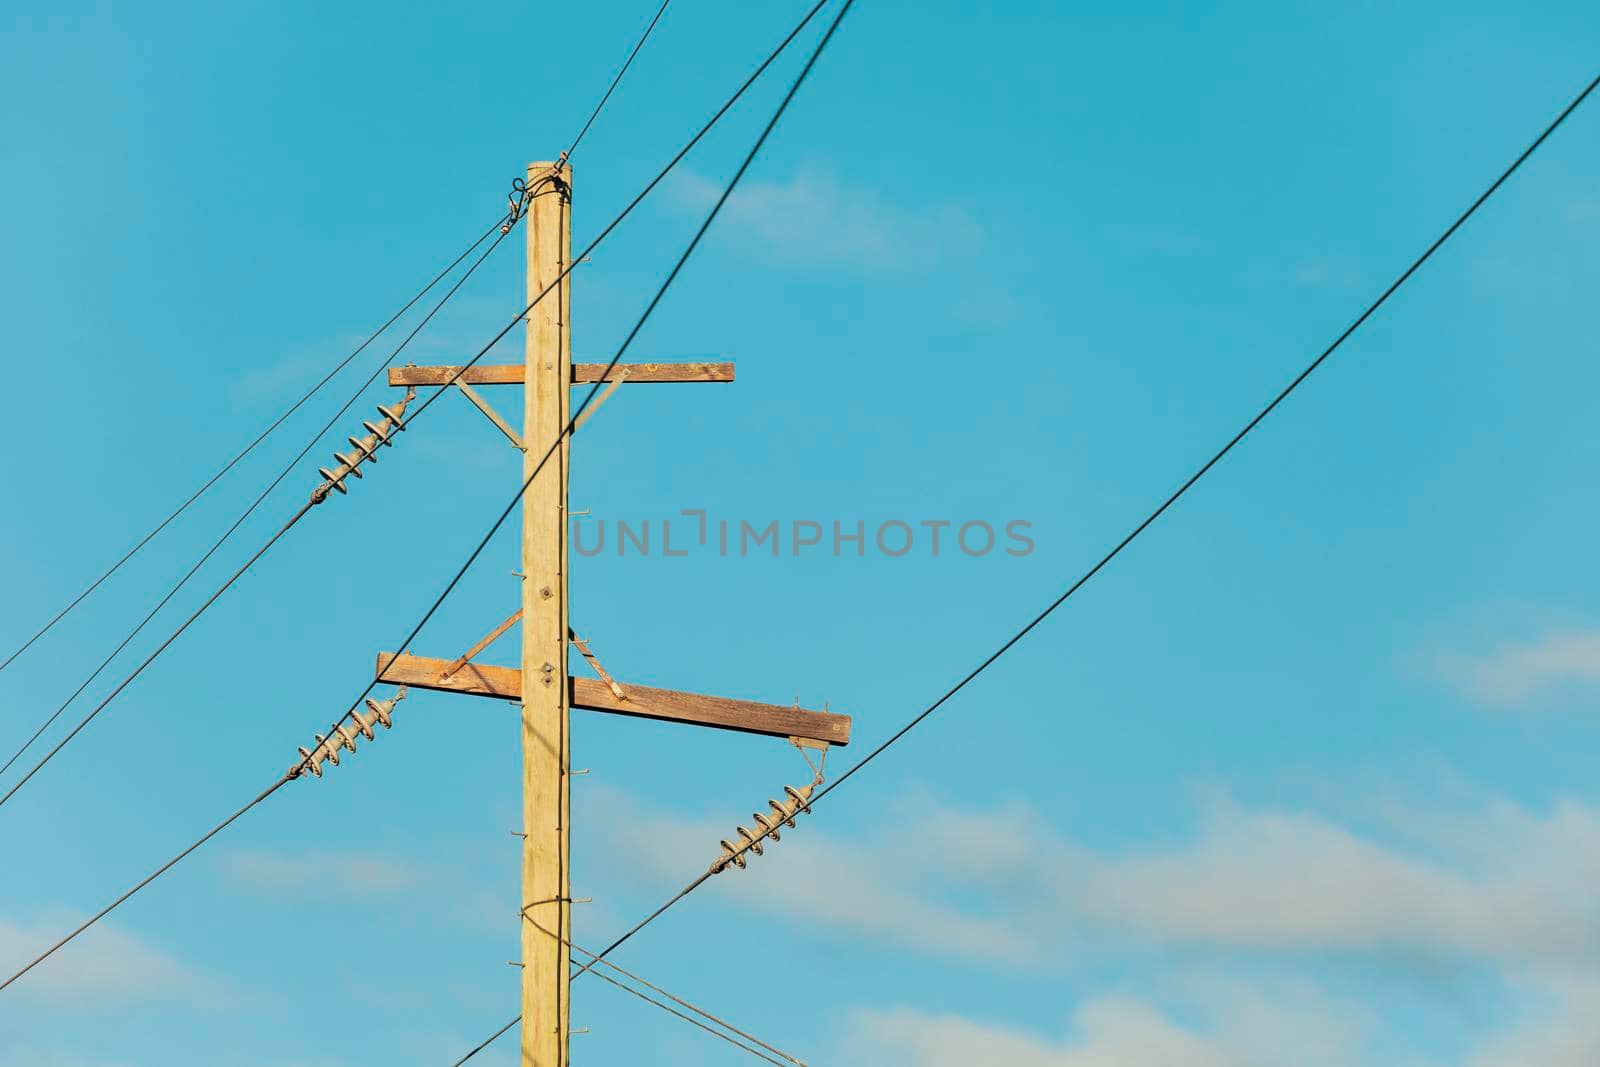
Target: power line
<point x="151" y="658"/>
<point x="296" y="770"/>
<point x="713" y="1031"/>
<point x="503" y="225"/>
<point x="331" y="374"/>
<point x="626" y="211"/>
<point x="492" y="1038"/>
<point x="1143" y="525"/>
<point x="720" y="1028"/>
<point x="601" y="380"/>
<point x="657" y="989"/>
<point x="241" y="519"/>
<point x="427" y="402"/>
<point x="648" y="30"/>
<point x="279" y="421"/>
<point x="157" y="873"/>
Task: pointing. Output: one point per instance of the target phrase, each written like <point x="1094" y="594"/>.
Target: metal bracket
<point x="803" y="743"/>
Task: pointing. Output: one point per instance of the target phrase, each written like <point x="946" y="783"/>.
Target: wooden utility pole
<point x="542" y="685"/>
<point x="546" y="745"/>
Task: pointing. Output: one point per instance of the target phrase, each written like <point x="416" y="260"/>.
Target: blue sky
<point x="1306" y="776"/>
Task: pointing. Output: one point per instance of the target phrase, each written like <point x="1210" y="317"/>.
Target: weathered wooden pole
<point x="541" y="683"/>
<point x="546" y="882"/>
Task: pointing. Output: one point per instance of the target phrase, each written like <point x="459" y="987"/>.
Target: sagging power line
<point x="227" y="534"/>
<point x="712" y="1024"/>
<point x="752" y="842"/>
<point x="262" y="436"/>
<point x="282" y="418"/>
<point x="522" y="194"/>
<point x="392" y="422"/>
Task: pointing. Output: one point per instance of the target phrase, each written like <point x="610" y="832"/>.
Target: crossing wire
<point x="600" y="381"/>
<point x="162" y="647"/>
<point x="288" y="468"/>
<point x="1133" y="534"/>
<point x="691" y="1020"/>
<point x="279" y="421"/>
<point x="503" y="224"/>
<point x="295" y="771"/>
<point x="630" y="976"/>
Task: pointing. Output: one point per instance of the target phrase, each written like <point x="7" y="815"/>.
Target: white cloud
<point x="1563" y="1032"/>
<point x="283" y="377"/>
<point x="36" y="1056"/>
<point x="1319" y="273"/>
<point x="982" y="303"/>
<point x="320" y="872"/>
<point x="1513" y="674"/>
<point x="1582" y="211"/>
<point x="1107" y="1032"/>
<point x="1284" y="881"/>
<point x="814" y="218"/>
<point x="105" y="964"/>
<point x="1210" y="1021"/>
<point x="858" y="899"/>
<point x="1499" y="885"/>
<point x="1258" y="1021"/>
<point x="1484" y="886"/>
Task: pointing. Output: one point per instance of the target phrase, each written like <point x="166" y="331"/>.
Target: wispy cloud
<point x="281" y="379"/>
<point x="1558" y="661"/>
<point x="1002" y="885"/>
<point x="107" y="964"/>
<point x="862" y="898"/>
<point x="1110" y="1032"/>
<point x="37" y="1056"/>
<point x="1286" y="882"/>
<point x="1582" y="211"/>
<point x="1563" y="1031"/>
<point x="316" y="871"/>
<point x="1229" y="1024"/>
<point x="982" y="303"/>
<point x="1219" y="1022"/>
<point x="1255" y="901"/>
<point x="814" y="217"/>
<point x="1321" y="273"/>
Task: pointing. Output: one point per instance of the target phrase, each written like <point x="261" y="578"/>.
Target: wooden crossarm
<point x="748" y="716"/>
<point x="475" y="679"/>
<point x="670" y="705"/>
<point x="501" y="374"/>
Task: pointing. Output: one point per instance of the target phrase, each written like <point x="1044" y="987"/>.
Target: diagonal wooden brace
<point x="619" y="376"/>
<point x="594" y="661"/>
<point x="488" y="639"/>
<point x="488" y="409"/>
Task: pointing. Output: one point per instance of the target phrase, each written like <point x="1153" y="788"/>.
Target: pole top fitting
<point x="557" y="173"/>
